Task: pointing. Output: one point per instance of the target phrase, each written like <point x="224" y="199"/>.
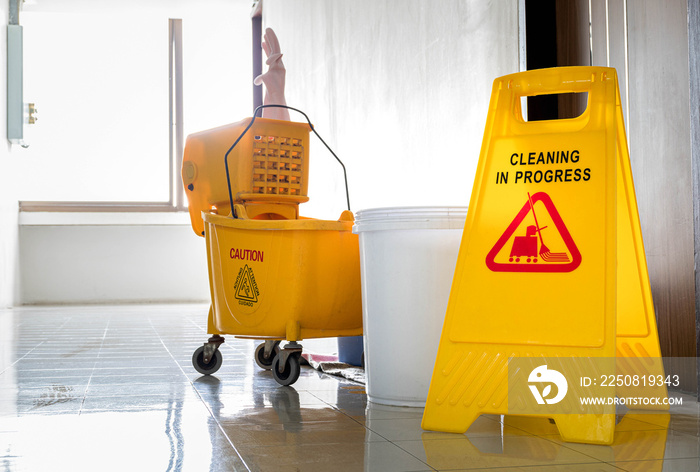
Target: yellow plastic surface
<point x="268" y="168"/>
<point x="284" y="279"/>
<point x="536" y="272"/>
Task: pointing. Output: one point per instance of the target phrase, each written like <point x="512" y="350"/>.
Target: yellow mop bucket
<point x="272" y="274"/>
<point x="284" y="279"/>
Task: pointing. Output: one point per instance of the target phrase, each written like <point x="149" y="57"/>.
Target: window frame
<point x="176" y="198"/>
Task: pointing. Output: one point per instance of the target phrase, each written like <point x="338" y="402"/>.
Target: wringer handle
<point x="255" y="114"/>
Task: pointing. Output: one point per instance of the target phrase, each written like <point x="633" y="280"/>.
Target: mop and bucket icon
<point x="526" y="247"/>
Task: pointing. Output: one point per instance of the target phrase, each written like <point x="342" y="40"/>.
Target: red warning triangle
<point x="528" y="252"/>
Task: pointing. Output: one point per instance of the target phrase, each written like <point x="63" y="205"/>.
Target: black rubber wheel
<point x="291" y="370"/>
<point x="260" y="356"/>
<point x="206" y="368"/>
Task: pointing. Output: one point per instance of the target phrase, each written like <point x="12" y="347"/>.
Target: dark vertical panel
<point x="557" y="34"/>
<point x="661" y="163"/>
<point x="617" y="48"/>
<point x="541" y="41"/>
<point x="177" y="196"/>
<point x="573" y="49"/>
<point x="694" y="75"/>
<point x="573" y="37"/>
<point x="257" y="59"/>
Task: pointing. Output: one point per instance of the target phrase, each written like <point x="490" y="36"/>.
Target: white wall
<point x="112" y="263"/>
<point x="8" y="184"/>
<point x="8" y="237"/>
<point x="399" y="88"/>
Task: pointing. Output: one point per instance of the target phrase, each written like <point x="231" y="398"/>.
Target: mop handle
<point x="255" y="114"/>
<point x="537" y="225"/>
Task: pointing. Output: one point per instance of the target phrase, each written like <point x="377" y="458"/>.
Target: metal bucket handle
<point x="255" y="114"/>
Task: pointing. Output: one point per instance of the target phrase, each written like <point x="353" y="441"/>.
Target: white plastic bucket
<point x="407" y="261"/>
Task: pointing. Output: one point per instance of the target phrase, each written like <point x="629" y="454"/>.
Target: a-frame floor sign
<point x="550" y="301"/>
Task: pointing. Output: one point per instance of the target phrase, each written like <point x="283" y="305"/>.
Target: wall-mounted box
<point x="15" y="96"/>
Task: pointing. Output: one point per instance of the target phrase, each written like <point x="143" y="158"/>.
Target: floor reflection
<point x="113" y="388"/>
<point x="529" y="441"/>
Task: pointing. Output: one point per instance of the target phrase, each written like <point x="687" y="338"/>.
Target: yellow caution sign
<point x="536" y="280"/>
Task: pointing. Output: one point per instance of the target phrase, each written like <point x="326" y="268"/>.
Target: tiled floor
<point x="113" y="388"/>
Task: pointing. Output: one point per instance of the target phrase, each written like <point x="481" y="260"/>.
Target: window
<point x="101" y="79"/>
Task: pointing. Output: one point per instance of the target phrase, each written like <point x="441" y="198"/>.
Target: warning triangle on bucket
<point x="537" y="240"/>
<point x="245" y="286"/>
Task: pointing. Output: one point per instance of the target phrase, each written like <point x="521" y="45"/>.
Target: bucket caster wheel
<point x="290" y="370"/>
<point x="207" y="359"/>
<point x="206" y="368"/>
<point x="265" y="353"/>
